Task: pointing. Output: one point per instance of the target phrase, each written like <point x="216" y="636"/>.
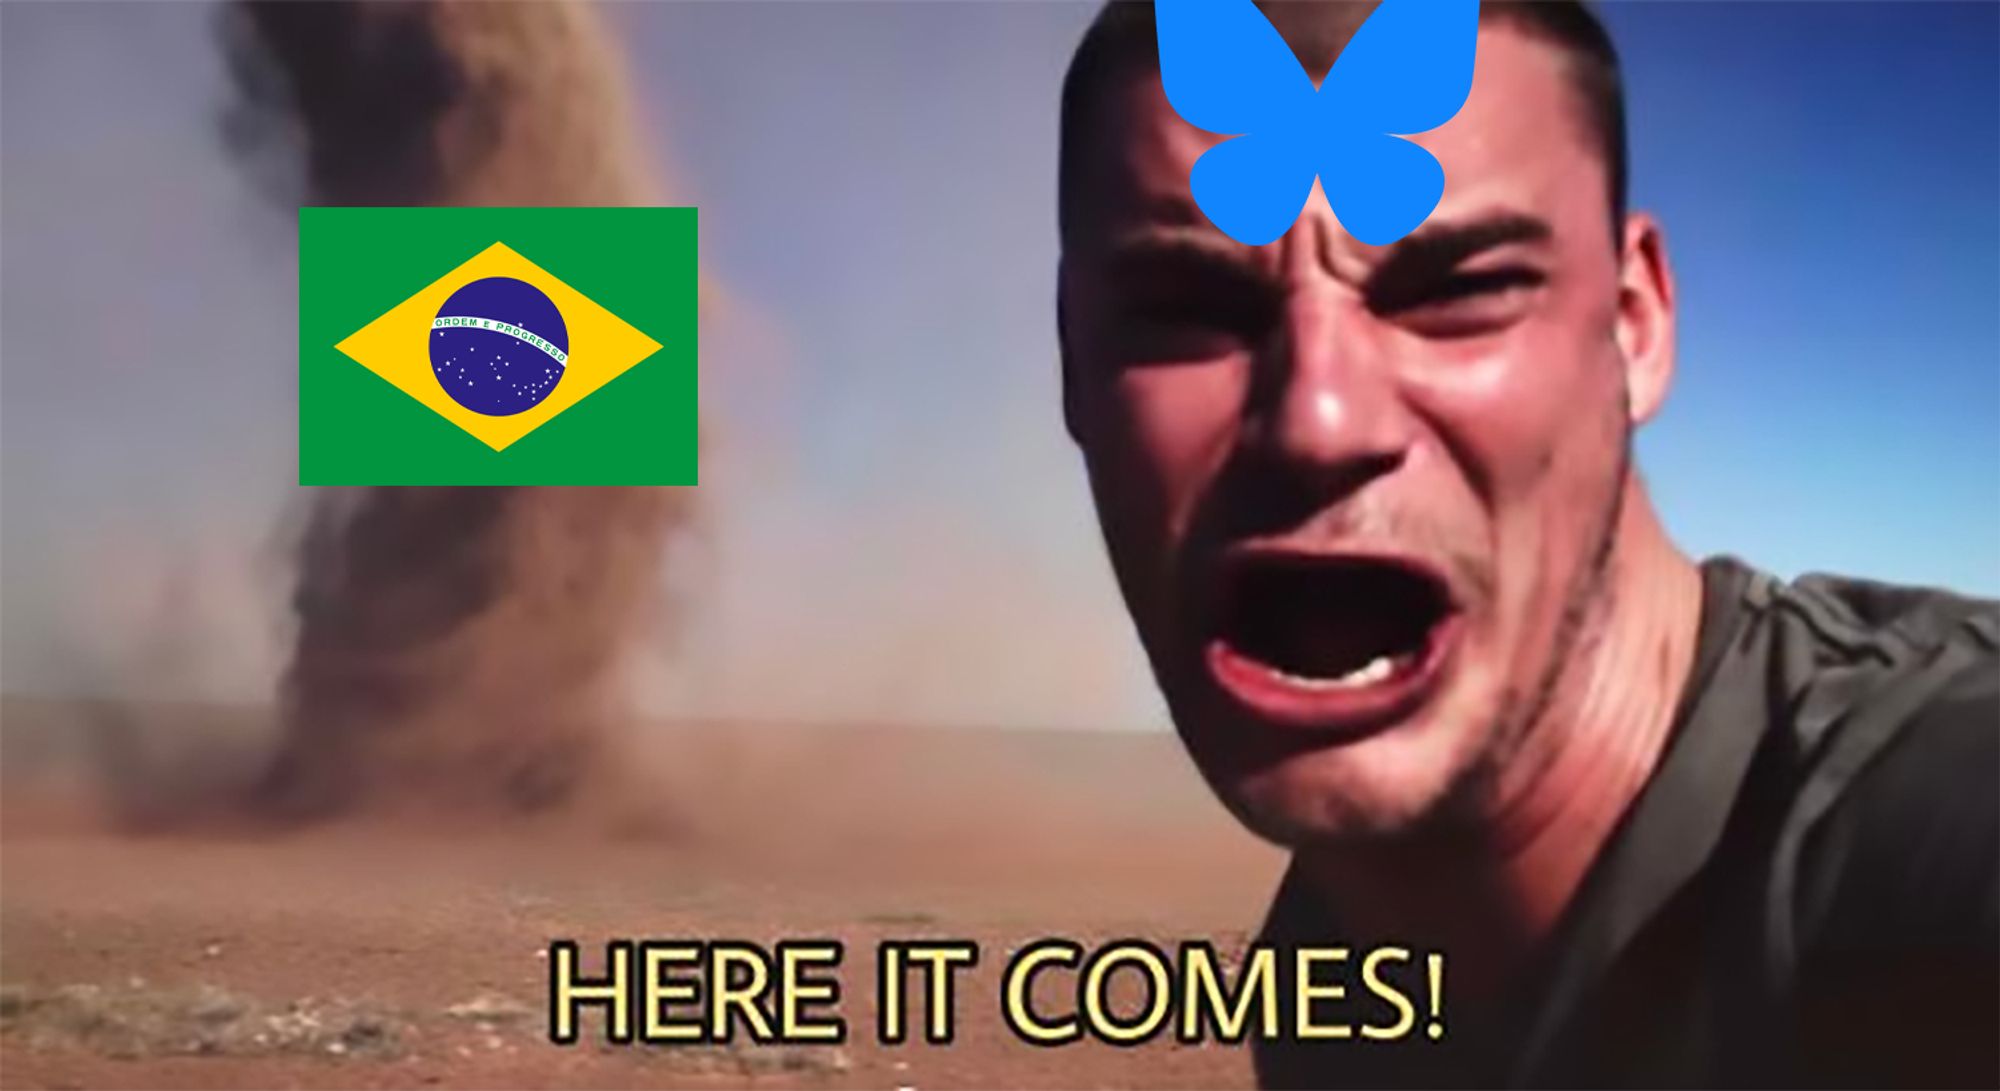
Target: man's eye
<point x="1204" y="316"/>
<point x="1463" y="304"/>
<point x="1187" y="325"/>
<point x="1467" y="285"/>
<point x="1237" y="312"/>
<point x="1461" y="286"/>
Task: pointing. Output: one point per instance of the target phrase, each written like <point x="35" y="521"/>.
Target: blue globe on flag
<point x="498" y="346"/>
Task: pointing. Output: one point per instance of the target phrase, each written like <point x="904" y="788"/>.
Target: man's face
<point x="1356" y="497"/>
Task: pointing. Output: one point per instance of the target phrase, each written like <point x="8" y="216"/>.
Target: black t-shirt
<point x="1806" y="893"/>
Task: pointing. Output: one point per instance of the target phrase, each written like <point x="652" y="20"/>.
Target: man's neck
<point x="1487" y="888"/>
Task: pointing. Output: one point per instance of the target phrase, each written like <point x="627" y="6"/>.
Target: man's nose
<point x="1325" y="404"/>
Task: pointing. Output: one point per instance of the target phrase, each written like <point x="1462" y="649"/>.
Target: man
<point x="1374" y="515"/>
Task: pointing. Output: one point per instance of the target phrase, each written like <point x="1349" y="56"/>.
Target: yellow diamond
<point x="396" y="346"/>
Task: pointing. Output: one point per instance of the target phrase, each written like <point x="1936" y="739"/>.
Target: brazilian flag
<point x="497" y="346"/>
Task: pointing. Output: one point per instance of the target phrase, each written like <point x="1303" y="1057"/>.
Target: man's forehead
<point x="1519" y="144"/>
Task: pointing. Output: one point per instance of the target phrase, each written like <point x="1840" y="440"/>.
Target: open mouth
<point x="1330" y="642"/>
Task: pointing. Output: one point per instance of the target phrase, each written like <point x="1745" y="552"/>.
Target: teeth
<point x="1375" y="670"/>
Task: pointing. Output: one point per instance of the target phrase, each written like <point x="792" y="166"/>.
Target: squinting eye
<point x="1172" y="337"/>
<point x="1408" y="290"/>
<point x="1194" y="321"/>
<point x="1467" y="303"/>
<point x="1226" y="312"/>
<point x="1485" y="282"/>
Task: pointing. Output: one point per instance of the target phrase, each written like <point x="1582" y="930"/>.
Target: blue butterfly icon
<point x="1226" y="70"/>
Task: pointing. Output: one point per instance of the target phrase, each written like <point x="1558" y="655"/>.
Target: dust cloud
<point x="457" y="648"/>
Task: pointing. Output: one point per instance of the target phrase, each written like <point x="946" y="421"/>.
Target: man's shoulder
<point x="1891" y="697"/>
<point x="1848" y="657"/>
<point x="1899" y="620"/>
<point x="1889" y="853"/>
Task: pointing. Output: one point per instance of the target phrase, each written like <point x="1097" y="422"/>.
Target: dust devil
<point x="457" y="648"/>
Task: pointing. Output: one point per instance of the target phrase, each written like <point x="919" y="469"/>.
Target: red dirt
<point x="150" y="959"/>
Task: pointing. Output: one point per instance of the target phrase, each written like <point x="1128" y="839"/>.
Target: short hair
<point x="1123" y="40"/>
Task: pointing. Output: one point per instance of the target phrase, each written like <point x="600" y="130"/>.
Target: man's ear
<point x="1645" y="324"/>
<point x="1072" y="415"/>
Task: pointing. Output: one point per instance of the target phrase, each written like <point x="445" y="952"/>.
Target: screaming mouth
<point x="1330" y="640"/>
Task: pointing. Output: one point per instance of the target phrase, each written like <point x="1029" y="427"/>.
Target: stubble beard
<point x="1524" y="713"/>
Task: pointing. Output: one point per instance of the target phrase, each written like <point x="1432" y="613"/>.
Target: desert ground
<point x="379" y="951"/>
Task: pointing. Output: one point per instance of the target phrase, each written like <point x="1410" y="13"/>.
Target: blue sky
<point x="1830" y="177"/>
<point x="896" y="525"/>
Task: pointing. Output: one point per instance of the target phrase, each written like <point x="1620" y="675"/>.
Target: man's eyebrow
<point x="1447" y="244"/>
<point x="1433" y="247"/>
<point x="1173" y="245"/>
<point x="1157" y="238"/>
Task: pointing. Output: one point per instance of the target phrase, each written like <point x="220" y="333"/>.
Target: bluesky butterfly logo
<point x="1407" y="70"/>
